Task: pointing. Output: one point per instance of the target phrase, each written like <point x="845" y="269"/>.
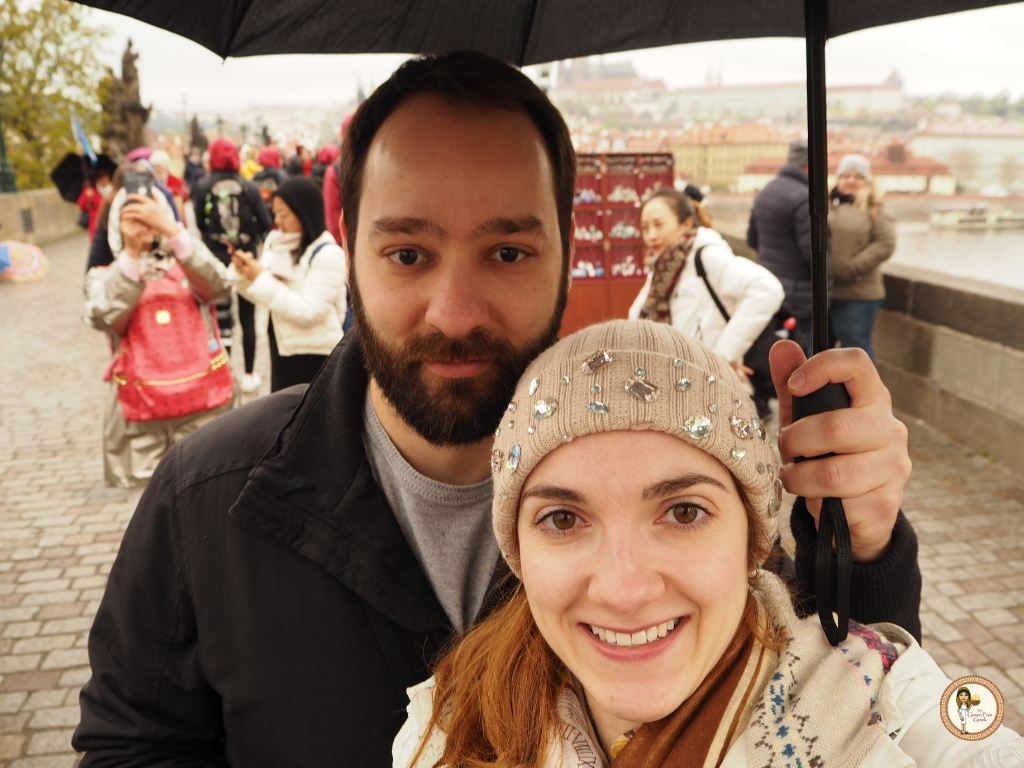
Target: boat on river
<point x="976" y="217"/>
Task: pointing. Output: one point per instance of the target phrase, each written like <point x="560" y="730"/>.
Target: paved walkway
<point x="60" y="527"/>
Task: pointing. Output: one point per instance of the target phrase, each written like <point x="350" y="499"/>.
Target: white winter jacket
<point x="907" y="700"/>
<point x="751" y="294"/>
<point x="309" y="308"/>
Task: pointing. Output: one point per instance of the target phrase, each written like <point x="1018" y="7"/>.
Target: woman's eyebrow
<point x="554" y="493"/>
<point x="675" y="485"/>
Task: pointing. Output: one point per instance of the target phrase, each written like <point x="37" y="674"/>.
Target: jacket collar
<point x="313" y="492"/>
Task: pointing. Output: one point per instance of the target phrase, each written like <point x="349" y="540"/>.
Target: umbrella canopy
<point x="69" y="175"/>
<point x="23" y="261"/>
<point x="517" y="31"/>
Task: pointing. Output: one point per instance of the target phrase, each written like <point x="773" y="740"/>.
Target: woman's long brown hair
<point x="495" y="693"/>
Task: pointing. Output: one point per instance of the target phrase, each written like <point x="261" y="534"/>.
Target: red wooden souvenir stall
<point x="608" y="269"/>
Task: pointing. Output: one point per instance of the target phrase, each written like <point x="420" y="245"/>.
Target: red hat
<point x="223" y="155"/>
<point x="328" y="153"/>
<point x="269" y="157"/>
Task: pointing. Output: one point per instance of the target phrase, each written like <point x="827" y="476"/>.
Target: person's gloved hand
<point x="871" y="464"/>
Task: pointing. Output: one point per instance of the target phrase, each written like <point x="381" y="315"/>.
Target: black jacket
<point x="263" y="222"/>
<point x="250" y="604"/>
<point x="780" y="232"/>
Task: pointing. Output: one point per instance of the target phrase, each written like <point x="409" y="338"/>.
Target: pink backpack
<point x="170" y="362"/>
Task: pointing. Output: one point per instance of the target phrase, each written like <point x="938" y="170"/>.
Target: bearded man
<point x="297" y="564"/>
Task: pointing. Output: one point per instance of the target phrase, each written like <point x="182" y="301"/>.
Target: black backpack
<point x="756" y="357"/>
<point x="229" y="214"/>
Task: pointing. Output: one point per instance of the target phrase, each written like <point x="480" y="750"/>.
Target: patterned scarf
<point x="664" y="277"/>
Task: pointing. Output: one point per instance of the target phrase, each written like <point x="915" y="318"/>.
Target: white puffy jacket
<point x="309" y="308"/>
<point x="751" y="294"/>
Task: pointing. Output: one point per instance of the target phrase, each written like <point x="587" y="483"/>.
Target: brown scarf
<point x="701" y="731"/>
<point x="665" y="275"/>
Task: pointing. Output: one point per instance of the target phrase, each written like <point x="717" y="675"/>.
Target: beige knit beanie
<point x="631" y="374"/>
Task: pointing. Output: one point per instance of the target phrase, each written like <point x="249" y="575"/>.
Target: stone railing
<point x="951" y="351"/>
<point x="39" y="216"/>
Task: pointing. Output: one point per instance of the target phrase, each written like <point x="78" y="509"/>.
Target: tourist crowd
<point x="467" y="542"/>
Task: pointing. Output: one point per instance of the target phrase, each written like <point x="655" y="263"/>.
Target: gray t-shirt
<point x="447" y="526"/>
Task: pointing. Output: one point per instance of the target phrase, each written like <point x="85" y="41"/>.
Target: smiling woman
<point x="636" y="495"/>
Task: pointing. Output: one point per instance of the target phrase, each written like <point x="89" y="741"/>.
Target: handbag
<point x="170" y="361"/>
<point x="782" y="326"/>
<point x="83" y="219"/>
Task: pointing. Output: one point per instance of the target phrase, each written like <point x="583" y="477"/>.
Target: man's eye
<point x="508" y="254"/>
<point x="407" y="257"/>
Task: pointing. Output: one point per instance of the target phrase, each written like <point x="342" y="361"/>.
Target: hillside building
<point x="895" y="169"/>
<point x="980" y="153"/>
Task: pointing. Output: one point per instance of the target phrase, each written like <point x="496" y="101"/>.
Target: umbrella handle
<point x="831" y="524"/>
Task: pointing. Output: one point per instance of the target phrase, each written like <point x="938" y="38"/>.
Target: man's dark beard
<point x="450" y="412"/>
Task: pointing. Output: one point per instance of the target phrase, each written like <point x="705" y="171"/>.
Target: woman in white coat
<point x="646" y="631"/>
<point x="675" y="293"/>
<point x="300" y="278"/>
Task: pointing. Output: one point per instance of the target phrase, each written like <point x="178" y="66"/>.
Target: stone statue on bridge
<point x="124" y="117"/>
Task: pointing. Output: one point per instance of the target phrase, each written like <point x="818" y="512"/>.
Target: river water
<point x="991" y="256"/>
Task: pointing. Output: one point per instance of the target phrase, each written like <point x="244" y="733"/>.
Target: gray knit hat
<point x="797" y="154"/>
<point x="855" y="164"/>
<point x="631" y="374"/>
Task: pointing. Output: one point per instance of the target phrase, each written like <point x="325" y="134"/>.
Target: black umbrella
<point x="70" y="174"/>
<point x="534" y="31"/>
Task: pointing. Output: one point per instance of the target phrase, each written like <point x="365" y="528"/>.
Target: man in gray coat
<point x="780" y="232"/>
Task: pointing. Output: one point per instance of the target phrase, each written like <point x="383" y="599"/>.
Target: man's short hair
<point x="462" y="78"/>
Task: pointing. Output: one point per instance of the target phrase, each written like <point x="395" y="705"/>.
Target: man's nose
<point x="459" y="302"/>
<point x="624" y="579"/>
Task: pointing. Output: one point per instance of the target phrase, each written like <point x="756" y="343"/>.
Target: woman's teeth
<point x="622" y="640"/>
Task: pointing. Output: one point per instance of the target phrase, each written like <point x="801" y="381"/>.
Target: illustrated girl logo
<point x="964" y="703"/>
<point x="972" y="708"/>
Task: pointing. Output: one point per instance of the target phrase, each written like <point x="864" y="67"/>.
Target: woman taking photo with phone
<point x="637" y="500"/>
<point x="300" y="279"/>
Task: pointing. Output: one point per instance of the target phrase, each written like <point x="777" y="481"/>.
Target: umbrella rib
<point x="237" y="27"/>
<point x="526" y="34"/>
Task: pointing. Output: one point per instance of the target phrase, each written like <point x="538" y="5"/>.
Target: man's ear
<point x="344" y="248"/>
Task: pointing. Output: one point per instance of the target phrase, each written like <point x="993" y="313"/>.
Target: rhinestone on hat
<point x="530" y="430"/>
<point x="495" y="460"/>
<point x="598" y="407"/>
<point x="760" y="467"/>
<point x="713" y="408"/>
<point x="742" y="428"/>
<point x="738" y="453"/>
<point x="677" y="363"/>
<point x="534" y="383"/>
<point x="511" y="407"/>
<point x="596" y="389"/>
<point x="597" y="360"/>
<point x="683" y="384"/>
<point x="712" y="379"/>
<point x="497" y="432"/>
<point x="512" y="462"/>
<point x="698" y="427"/>
<point x="545" y="407"/>
<point x="566" y="379"/>
<point x="642" y="389"/>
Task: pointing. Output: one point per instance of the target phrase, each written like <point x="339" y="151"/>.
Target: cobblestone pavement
<point x="60" y="526"/>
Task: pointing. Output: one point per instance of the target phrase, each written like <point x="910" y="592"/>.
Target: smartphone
<point x="227" y="244"/>
<point x="137" y="183"/>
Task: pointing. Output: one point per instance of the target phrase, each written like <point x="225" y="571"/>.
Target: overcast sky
<point x="965" y="53"/>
